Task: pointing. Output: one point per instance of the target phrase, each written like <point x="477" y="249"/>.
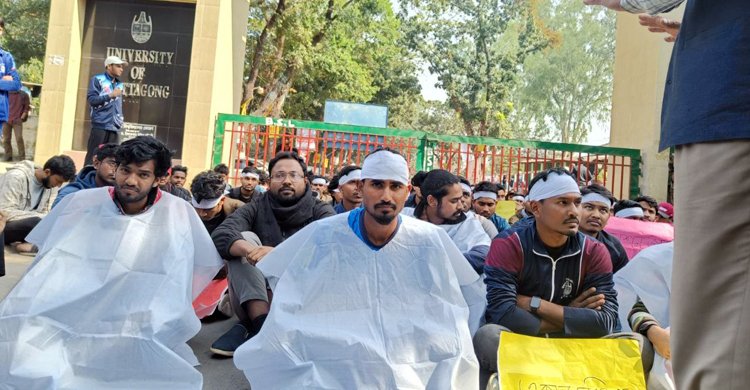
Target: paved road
<point x="218" y="374"/>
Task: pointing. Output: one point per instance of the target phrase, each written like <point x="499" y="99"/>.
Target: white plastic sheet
<point x="347" y="317"/>
<point x="649" y="276"/>
<point x="107" y="302"/>
<point x="466" y="235"/>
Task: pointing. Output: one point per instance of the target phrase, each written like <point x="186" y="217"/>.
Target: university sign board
<point x="155" y="38"/>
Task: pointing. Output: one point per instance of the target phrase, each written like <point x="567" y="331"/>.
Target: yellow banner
<point x="505" y="208"/>
<point x="537" y="363"/>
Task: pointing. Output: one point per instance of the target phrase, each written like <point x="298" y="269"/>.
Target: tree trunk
<point x="258" y="53"/>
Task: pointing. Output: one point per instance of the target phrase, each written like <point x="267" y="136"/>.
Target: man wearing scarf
<point x="368" y="299"/>
<point x="442" y="205"/>
<point x="249" y="234"/>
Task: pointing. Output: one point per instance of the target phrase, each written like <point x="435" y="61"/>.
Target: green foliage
<point x="412" y="112"/>
<point x="567" y="88"/>
<point x="32" y="71"/>
<point x="475" y="47"/>
<point x="321" y="50"/>
<point x="26" y="28"/>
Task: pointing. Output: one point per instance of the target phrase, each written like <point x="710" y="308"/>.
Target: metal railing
<point x="327" y="147"/>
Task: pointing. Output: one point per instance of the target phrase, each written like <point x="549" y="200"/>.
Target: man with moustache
<point x="246" y="192"/>
<point x="547" y="279"/>
<point x="351" y="196"/>
<point x="442" y="204"/>
<point x="596" y="208"/>
<point x="120" y="266"/>
<point x="250" y="233"/>
<point x="368" y="299"/>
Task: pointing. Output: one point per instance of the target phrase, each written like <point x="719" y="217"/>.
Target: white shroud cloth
<point x="649" y="276"/>
<point x="106" y="304"/>
<point x="347" y="317"/>
<point x="466" y="235"/>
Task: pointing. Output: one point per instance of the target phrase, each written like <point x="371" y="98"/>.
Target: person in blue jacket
<point x="100" y="174"/>
<point x="105" y="98"/>
<point x="9" y="79"/>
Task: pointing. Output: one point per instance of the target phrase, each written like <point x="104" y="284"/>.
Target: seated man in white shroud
<point x="368" y="300"/>
<point x="106" y="304"/>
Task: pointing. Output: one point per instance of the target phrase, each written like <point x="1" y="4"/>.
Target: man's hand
<point x="117" y="92"/>
<point x="7" y="77"/>
<point x="255" y="254"/>
<point x="589" y="299"/>
<point x="658" y="24"/>
<point x="659" y="337"/>
<point x="611" y="4"/>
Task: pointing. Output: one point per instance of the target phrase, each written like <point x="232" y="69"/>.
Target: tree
<point x="302" y="53"/>
<point x="475" y="47"/>
<point x="567" y="88"/>
<point x="26" y="28"/>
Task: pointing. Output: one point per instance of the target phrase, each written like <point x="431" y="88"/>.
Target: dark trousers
<point x="8" y="129"/>
<point x="18" y="230"/>
<point x="99" y="137"/>
<point x="2" y="254"/>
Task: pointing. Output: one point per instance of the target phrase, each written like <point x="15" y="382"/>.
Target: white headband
<point x="206" y="203"/>
<point x="385" y="165"/>
<point x="319" y="180"/>
<point x="251" y="174"/>
<point x="555" y="185"/>
<point x="630" y="212"/>
<point x="594" y="197"/>
<point x="465" y="187"/>
<point x="353" y="175"/>
<point x="519" y="198"/>
<point x="485" y="194"/>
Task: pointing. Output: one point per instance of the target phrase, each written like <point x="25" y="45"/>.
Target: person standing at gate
<point x="105" y="98"/>
<point x="18" y="114"/>
<point x="9" y="81"/>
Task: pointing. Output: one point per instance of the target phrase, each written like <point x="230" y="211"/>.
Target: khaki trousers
<point x="710" y="301"/>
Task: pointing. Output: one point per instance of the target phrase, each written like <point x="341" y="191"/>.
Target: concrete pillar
<point x="641" y="64"/>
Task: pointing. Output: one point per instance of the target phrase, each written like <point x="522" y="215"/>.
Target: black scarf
<point x="277" y="222"/>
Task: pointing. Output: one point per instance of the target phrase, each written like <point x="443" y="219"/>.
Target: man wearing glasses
<point x="250" y="233"/>
<point x="105" y="98"/>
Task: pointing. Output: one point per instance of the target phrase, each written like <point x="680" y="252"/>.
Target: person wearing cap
<point x="629" y="209"/>
<point x="348" y="187"/>
<point x="442" y="205"/>
<point x="665" y="213"/>
<point x="596" y="208"/>
<point x="252" y="232"/>
<point x="368" y="299"/>
<point x="9" y="82"/>
<point x="249" y="179"/>
<point x="105" y="98"/>
<point x="547" y="279"/>
<point x="484" y="202"/>
<point x="100" y="174"/>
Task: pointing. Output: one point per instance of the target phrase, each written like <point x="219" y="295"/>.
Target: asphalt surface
<point x="218" y="373"/>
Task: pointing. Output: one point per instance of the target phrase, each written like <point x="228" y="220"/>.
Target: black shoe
<point x="230" y="341"/>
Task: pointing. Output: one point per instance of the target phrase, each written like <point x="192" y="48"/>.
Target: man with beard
<point x="100" y="174"/>
<point x="547" y="279"/>
<point x="368" y="299"/>
<point x="351" y="196"/>
<point x="596" y="208"/>
<point x="120" y="266"/>
<point x="248" y="235"/>
<point x="650" y="207"/>
<point x="26" y="195"/>
<point x="246" y="191"/>
<point x="442" y="205"/>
